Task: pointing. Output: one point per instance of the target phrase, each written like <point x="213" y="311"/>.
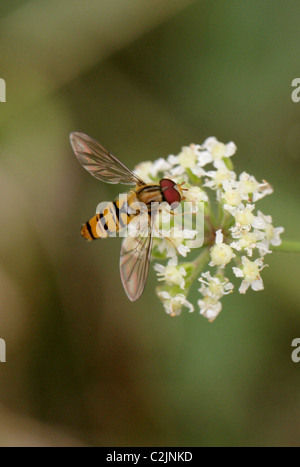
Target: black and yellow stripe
<point x="116" y="215"/>
<point x="107" y="223"/>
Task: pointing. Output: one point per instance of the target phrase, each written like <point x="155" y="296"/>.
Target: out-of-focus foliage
<point x="85" y="366"/>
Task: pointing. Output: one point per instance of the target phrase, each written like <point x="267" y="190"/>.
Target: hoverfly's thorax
<point x="150" y="194"/>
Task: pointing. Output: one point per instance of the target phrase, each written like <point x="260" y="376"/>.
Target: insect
<point x="135" y="252"/>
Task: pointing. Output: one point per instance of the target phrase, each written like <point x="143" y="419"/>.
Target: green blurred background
<point x="144" y="77"/>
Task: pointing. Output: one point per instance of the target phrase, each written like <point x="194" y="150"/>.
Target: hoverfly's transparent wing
<point x="135" y="260"/>
<point x="101" y="163"/>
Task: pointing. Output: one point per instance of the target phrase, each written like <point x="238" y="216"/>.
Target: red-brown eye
<point x="170" y="194"/>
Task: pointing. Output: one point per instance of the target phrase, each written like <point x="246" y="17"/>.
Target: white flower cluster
<point x="237" y="237"/>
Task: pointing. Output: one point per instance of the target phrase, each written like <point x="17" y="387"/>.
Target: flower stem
<point x="288" y="247"/>
<point x="199" y="264"/>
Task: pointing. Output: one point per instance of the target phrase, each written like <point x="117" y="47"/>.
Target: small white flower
<point x="173" y="305"/>
<point x="213" y="286"/>
<point x="217" y="150"/>
<point x="172" y="160"/>
<point x="177" y="171"/>
<point x="245" y="217"/>
<point x="231" y="195"/>
<point x="248" y="185"/>
<point x="174" y="240"/>
<point x="198" y="171"/>
<point x="248" y="241"/>
<point x="160" y="165"/>
<point x="272" y="233"/>
<point x="204" y="158"/>
<point x="186" y="159"/>
<point x="172" y="274"/>
<point x="195" y="195"/>
<point x="250" y="271"/>
<point x="144" y="171"/>
<point x="245" y="220"/>
<point x="276" y="240"/>
<point x="183" y="250"/>
<point x="221" y="253"/>
<point x="209" y="308"/>
<point x="219" y="177"/>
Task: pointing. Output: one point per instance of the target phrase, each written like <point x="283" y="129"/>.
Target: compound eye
<point x="170" y="194"/>
<point x="166" y="183"/>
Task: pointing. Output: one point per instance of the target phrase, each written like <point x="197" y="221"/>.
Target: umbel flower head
<point x="237" y="236"/>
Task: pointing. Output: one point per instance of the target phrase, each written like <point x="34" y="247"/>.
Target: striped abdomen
<point x="113" y="218"/>
<point x="116" y="215"/>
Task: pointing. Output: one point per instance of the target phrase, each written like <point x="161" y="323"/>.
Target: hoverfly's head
<point x="171" y="192"/>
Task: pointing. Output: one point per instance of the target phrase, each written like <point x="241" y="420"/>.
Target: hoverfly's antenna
<point x="180" y="186"/>
<point x="181" y="190"/>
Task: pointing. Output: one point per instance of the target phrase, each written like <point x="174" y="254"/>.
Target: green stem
<point x="288" y="247"/>
<point x="199" y="264"/>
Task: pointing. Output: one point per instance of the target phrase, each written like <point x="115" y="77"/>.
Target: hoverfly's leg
<point x="169" y="240"/>
<point x="165" y="238"/>
<point x="175" y="214"/>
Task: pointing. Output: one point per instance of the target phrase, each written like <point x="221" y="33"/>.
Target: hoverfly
<point x="135" y="254"/>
